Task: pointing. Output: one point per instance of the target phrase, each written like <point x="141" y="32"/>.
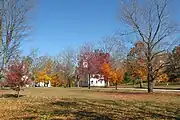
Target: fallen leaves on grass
<point x="125" y="106"/>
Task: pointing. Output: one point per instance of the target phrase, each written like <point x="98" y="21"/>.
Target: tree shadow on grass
<point x="141" y="110"/>
<point x="77" y="112"/>
<point x="178" y="114"/>
<point x="24" y="118"/>
<point x="81" y="115"/>
<point x="166" y="88"/>
<point x="157" y="111"/>
<point x="11" y="96"/>
<point x="93" y="109"/>
<point x="155" y="115"/>
<point x="65" y="103"/>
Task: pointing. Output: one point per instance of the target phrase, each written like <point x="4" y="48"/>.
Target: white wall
<point x="42" y="84"/>
<point x="97" y="82"/>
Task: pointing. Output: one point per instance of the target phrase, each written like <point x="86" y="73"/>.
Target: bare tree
<point x="116" y="48"/>
<point x="15" y="27"/>
<point x="67" y="61"/>
<point x="108" y="44"/>
<point x="151" y="23"/>
<point x="37" y="63"/>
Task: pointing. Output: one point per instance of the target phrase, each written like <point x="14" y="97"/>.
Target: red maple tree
<point x="17" y="75"/>
<point x="90" y="62"/>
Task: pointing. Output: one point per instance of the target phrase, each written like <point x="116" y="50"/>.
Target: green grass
<point x="77" y="104"/>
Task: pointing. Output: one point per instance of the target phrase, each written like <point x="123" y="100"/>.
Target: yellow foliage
<point x="42" y="76"/>
<point x="46" y="74"/>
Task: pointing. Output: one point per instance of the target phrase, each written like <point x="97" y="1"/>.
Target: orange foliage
<point x="140" y="72"/>
<point x="162" y="77"/>
<point x="106" y="69"/>
<point x="112" y="75"/>
<point x="117" y="75"/>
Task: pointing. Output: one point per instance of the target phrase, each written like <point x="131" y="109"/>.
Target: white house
<point x="43" y="84"/>
<point x="25" y="78"/>
<point x="97" y="80"/>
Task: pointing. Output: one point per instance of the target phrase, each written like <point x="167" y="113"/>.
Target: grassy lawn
<point x="170" y="86"/>
<point x="77" y="104"/>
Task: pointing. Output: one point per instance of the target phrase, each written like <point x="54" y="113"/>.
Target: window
<point x="91" y="82"/>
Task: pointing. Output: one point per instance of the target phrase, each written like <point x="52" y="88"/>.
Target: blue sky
<point x="59" y="24"/>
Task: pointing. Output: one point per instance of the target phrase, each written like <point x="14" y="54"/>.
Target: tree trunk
<point x="78" y="83"/>
<point x="133" y="83"/>
<point x="18" y="93"/>
<point x="141" y="83"/>
<point x="150" y="82"/>
<point x="2" y="92"/>
<point x="89" y="84"/>
<point x="77" y="79"/>
<point x="69" y="81"/>
<point x="150" y="77"/>
<point x="4" y="57"/>
<point x="1" y="37"/>
<point x="116" y="84"/>
<point x="106" y="83"/>
<point x="18" y="89"/>
<point x="150" y="87"/>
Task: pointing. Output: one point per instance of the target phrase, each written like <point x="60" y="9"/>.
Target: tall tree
<point x="15" y="27"/>
<point x="150" y="22"/>
<point x="67" y="60"/>
<point x="114" y="46"/>
<point x="173" y="66"/>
